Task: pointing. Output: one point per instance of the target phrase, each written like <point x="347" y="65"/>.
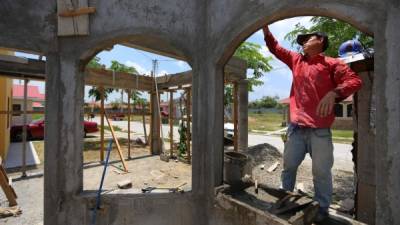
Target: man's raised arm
<point x="281" y="53"/>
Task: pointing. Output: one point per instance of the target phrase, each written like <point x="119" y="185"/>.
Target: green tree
<point x="119" y="67"/>
<point x="94" y="91"/>
<point x="250" y="52"/>
<point x="265" y="102"/>
<point x="337" y="31"/>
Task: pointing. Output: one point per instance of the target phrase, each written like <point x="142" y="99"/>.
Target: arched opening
<point x="139" y="92"/>
<point x="267" y="115"/>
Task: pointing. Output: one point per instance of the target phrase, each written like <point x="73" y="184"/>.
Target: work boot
<point x="321" y="215"/>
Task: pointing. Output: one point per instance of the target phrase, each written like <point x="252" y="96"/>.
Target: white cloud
<point x="181" y="64"/>
<point x="282" y="27"/>
<point x="138" y="67"/>
<point x="162" y="73"/>
<point x="264" y="51"/>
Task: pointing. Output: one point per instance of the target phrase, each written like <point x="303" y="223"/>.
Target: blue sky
<point x="276" y="82"/>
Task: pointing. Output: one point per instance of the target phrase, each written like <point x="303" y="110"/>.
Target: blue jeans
<point x="317" y="142"/>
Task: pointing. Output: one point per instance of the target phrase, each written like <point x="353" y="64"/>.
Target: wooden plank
<point x="116" y="143"/>
<point x="8" y="190"/>
<point x="171" y="123"/>
<point x="273" y="167"/>
<point x="20" y="112"/>
<point x="102" y="77"/>
<point x="77" y="12"/>
<point x="188" y="133"/>
<point x="69" y="26"/>
<point x="33" y="69"/>
<point x="14" y="59"/>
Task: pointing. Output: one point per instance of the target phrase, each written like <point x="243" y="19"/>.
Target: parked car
<point x="35" y="130"/>
<point x="229" y="131"/>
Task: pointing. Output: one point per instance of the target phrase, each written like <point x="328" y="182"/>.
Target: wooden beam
<point x="116" y="143"/>
<point x="7" y="188"/>
<point x="172" y="80"/>
<point x="15" y="113"/>
<point x="234" y="70"/>
<point x="188" y="133"/>
<point x="102" y="77"/>
<point x="171" y="123"/>
<point x="75" y="25"/>
<point x="77" y="12"/>
<point x="30" y="68"/>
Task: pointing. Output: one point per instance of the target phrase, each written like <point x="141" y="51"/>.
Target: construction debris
<point x="125" y="184"/>
<point x="273" y="167"/>
<point x="10" y="211"/>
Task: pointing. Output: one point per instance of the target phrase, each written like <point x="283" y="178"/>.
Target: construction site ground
<point x="147" y="170"/>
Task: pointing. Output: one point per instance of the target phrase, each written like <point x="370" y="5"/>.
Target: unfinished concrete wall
<point x="207" y="33"/>
<point x="387" y="151"/>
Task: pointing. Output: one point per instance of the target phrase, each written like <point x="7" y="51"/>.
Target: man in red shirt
<point x="318" y="81"/>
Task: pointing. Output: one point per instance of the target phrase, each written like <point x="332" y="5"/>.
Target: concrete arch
<point x="151" y="40"/>
<point x="358" y="15"/>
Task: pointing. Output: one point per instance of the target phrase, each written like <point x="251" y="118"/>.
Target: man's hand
<point x="265" y="29"/>
<point x="326" y="104"/>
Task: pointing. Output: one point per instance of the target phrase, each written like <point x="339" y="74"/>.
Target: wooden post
<point x="6" y="186"/>
<point x="144" y="123"/>
<point x="188" y="133"/>
<point x="116" y="143"/>
<point x="129" y="123"/>
<point x="151" y="123"/>
<point x="171" y="123"/>
<point x="235" y="116"/>
<point x="101" y="123"/>
<point x="24" y="131"/>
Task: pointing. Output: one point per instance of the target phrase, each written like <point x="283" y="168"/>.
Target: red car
<point x="35" y="130"/>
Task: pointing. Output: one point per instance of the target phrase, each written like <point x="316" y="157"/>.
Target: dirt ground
<point x="146" y="170"/>
<point x="267" y="155"/>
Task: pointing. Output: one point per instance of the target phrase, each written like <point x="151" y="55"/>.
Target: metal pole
<point x="98" y="196"/>
<point x="24" y="130"/>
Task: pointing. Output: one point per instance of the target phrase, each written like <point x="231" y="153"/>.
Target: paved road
<point x="342" y="152"/>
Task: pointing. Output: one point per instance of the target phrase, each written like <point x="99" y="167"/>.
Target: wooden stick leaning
<point x="116" y="143"/>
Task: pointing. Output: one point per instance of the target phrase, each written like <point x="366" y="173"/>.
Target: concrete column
<point x="63" y="141"/>
<point x="243" y="102"/>
<point x="207" y="142"/>
<point x="387" y="151"/>
<point x="344" y="108"/>
<point x="155" y="142"/>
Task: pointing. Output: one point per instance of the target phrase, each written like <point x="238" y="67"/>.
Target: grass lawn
<point x="272" y="121"/>
<point x="37" y="116"/>
<point x="91" y="149"/>
<point x="265" y="121"/>
<point x="342" y="136"/>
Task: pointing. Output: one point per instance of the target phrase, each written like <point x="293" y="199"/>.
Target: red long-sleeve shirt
<point x="313" y="78"/>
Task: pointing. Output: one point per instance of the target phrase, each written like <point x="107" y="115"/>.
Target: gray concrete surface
<point x="205" y="33"/>
<point x="14" y="155"/>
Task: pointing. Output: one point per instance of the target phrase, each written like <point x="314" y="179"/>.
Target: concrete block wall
<point x="207" y="33"/>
